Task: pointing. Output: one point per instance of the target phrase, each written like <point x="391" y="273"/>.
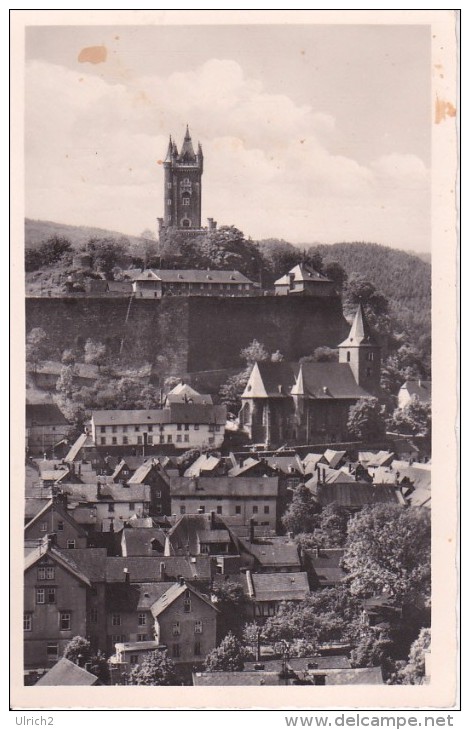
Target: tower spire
<point x="360" y="333"/>
<point x="187" y="151"/>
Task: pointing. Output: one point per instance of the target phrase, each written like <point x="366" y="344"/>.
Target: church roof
<point x="360" y="333"/>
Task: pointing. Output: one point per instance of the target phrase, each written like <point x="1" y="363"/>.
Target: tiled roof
<point x="174" y="592"/>
<point x="225" y="486"/>
<point x="184" y="536"/>
<point x="142" y="472"/>
<point x="205" y="462"/>
<point x="44" y="414"/>
<point x="375" y="458"/>
<point x="175" y="413"/>
<point x="236" y="679"/>
<point x="280" y="586"/>
<point x="322" y="380"/>
<point x="92" y="562"/>
<point x="130" y="597"/>
<point x="286" y="464"/>
<point x="302" y="272"/>
<point x="59" y="510"/>
<point x="273" y="551"/>
<point x="310" y="462"/>
<point x="138" y="540"/>
<point x="421" y="388"/>
<point x="334" y="457"/>
<point x="361" y="675"/>
<point x="356" y="495"/>
<point x="66" y="673"/>
<point x="77" y="446"/>
<point x="326" y="564"/>
<point x="322" y="662"/>
<point x="183" y="393"/>
<point x="63" y="558"/>
<point x="193" y="276"/>
<point x="360" y="333"/>
<point x="147" y="569"/>
<point x="329" y="476"/>
<point x="109" y="493"/>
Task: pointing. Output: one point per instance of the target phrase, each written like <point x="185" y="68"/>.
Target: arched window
<point x="370" y="356"/>
<point x="186" y="223"/>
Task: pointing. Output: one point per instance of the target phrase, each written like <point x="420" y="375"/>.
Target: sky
<point x="313" y="134"/>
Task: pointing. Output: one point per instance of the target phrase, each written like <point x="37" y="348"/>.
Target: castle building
<point x="306" y="403"/>
<point x="182" y="195"/>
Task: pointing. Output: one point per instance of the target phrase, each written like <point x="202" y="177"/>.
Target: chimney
<point x="52" y="539"/>
<point x="162" y="571"/>
<point x="127" y="575"/>
<point x="182" y="581"/>
<point x="419" y="382"/>
<point x="252" y="529"/>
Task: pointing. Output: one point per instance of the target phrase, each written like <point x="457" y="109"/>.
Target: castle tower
<point x="182" y="190"/>
<point x="362" y="352"/>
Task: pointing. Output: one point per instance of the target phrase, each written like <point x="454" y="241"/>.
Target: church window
<point x="169" y="201"/>
<point x="370" y="356"/>
<point x="348" y="357"/>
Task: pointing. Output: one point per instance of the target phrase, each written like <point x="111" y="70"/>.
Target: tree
<point x="227" y="657"/>
<point x="366" y="420"/>
<point x="321" y="354"/>
<point x="80" y="652"/>
<point x="372" y="649"/>
<point x="155" y="669"/>
<point x="48" y="253"/>
<point x="254" y="352"/>
<point x="68" y="357"/>
<point x="301" y="515"/>
<point x="414" y="671"/>
<point x="414" y="418"/>
<point x="107" y="253"/>
<point x="334" y="271"/>
<point x="37" y="346"/>
<point x="277" y="356"/>
<point x="332" y="526"/>
<point x="65" y="381"/>
<point x="230" y="392"/>
<point x="230" y="600"/>
<point x="360" y="291"/>
<point x="389" y="549"/>
<point x="95" y="352"/>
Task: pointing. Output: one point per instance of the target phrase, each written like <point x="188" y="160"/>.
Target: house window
<point x="168" y="185"/>
<point x="70" y="544"/>
<point x="50" y="595"/>
<point x="169" y="439"/>
<point x="196" y="426"/>
<point x="162" y="439"/>
<point x="114" y="429"/>
<point x="27" y="622"/>
<point x="110" y="507"/>
<point x="176" y="651"/>
<point x="103" y="429"/>
<point x="94" y="615"/>
<point x="40" y="595"/>
<point x="176" y="629"/>
<point x="178" y="427"/>
<point x="201" y="509"/>
<point x="46" y="573"/>
<point x="43" y="527"/>
<point x="217" y="428"/>
<point x="65" y="621"/>
<point x="159" y="509"/>
<point x="255" y="509"/>
<point x="102" y="440"/>
<point x="142" y="637"/>
<point x="137" y="428"/>
<point x="178" y="438"/>
<point x="204" y="548"/>
<point x="142" y="619"/>
<point x="124" y="429"/>
<point x="134" y="659"/>
<point x="114" y="440"/>
<point x="116" y="619"/>
<point x="197" y="648"/>
<point x="139" y="440"/>
<point x="266" y="509"/>
<point x="60" y="526"/>
<point x="186" y="437"/>
<point x="238" y="509"/>
<point x="169" y="201"/>
<point x="52" y="652"/>
<point x="211" y="439"/>
<point x="158" y="493"/>
<point x="182" y="509"/>
<point x="219" y="509"/>
<point x="186" y="426"/>
<point x="125" y="440"/>
<point x="187" y="602"/>
<point x="198" y="627"/>
<point x="150" y="439"/>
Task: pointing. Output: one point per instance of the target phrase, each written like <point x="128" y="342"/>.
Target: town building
<point x="68" y="674"/>
<point x="54" y="518"/>
<point x="305" y="280"/>
<point x="158" y="283"/>
<point x="46" y="425"/>
<point x="178" y="425"/>
<point x="420" y="389"/>
<point x="309" y="402"/>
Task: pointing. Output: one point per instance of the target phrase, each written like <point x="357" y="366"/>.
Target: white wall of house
<point x="238" y="510"/>
<point x="182" y="436"/>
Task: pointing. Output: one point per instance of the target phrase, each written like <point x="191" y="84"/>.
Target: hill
<point x="36" y="232"/>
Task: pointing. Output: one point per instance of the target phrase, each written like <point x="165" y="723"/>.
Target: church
<point x="309" y="402"/>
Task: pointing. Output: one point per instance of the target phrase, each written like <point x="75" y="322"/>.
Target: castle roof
<point x="360" y="333"/>
<point x="187" y="151"/>
<point x="301" y="273"/>
<point x="193" y="276"/>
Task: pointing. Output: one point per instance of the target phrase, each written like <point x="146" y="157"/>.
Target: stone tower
<point x="362" y="352"/>
<point x="182" y="192"/>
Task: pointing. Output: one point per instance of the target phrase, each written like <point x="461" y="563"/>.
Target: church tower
<point x="182" y="189"/>
<point x="362" y="353"/>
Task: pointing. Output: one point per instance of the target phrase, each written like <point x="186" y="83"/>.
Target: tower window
<point x="169" y="201"/>
<point x="370" y="356"/>
<point x="186" y="200"/>
<point x="368" y="372"/>
<point x="348" y="357"/>
<point x="186" y="222"/>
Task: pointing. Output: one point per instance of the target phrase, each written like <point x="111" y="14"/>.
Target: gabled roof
<point x="421" y="388"/>
<point x="286" y="464"/>
<point x="273" y="551"/>
<point x="147" y="569"/>
<point x="302" y="273"/>
<point x="334" y="457"/>
<point x="142" y="472"/>
<point x="356" y="495"/>
<point x="193" y="276"/>
<point x="183" y="393"/>
<point x="77" y="446"/>
<point x="329" y="476"/>
<point x="66" y="673"/>
<point x="224" y="486"/>
<point x="170" y="596"/>
<point x="131" y="597"/>
<point x="65" y="561"/>
<point x="56" y="507"/>
<point x="174" y="413"/>
<point x="280" y="586"/>
<point x="360" y="333"/>
<point x="326" y="563"/>
<point x="140" y="540"/>
<point x="205" y="462"/>
<point x="91" y="561"/>
<point x="184" y="536"/>
<point x="109" y="493"/>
